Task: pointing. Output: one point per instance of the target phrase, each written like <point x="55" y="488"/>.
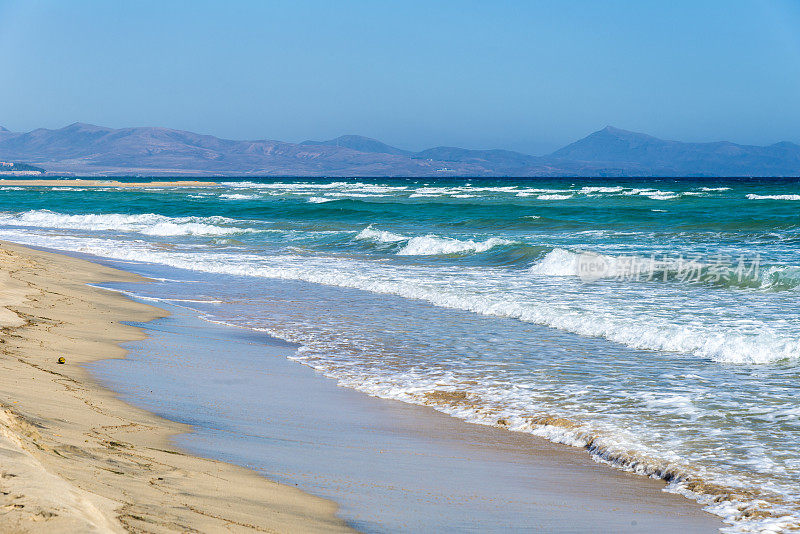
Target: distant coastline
<point x="92" y="151"/>
<point x="10" y="168"/>
<point x="78" y="182"/>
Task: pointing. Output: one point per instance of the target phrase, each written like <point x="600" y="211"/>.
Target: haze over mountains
<point x="85" y="149"/>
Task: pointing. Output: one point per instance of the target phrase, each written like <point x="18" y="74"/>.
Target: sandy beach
<point x="74" y="458"/>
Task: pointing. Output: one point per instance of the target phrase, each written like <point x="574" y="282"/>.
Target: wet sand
<point x="74" y="458"/>
<point x="392" y="466"/>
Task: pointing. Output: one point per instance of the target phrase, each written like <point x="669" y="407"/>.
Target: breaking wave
<point x="430" y="245"/>
<point x="380" y="236"/>
<point x="146" y="224"/>
<point x="738" y="273"/>
<point x="553" y="196"/>
<point x="753" y="196"/>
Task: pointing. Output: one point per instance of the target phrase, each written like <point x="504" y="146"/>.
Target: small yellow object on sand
<point x="62" y="360"/>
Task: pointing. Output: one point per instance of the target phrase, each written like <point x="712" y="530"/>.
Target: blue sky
<point x="525" y="75"/>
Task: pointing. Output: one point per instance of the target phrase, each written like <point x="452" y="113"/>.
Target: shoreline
<point x="308" y="512"/>
<point x="392" y="466"/>
<point x="73" y="456"/>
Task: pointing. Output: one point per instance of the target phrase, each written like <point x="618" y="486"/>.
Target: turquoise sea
<point x="653" y="322"/>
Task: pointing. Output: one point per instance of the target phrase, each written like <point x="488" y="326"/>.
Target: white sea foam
<point x="286" y="186"/>
<point x="306" y="188"/>
<point x="553" y="197"/>
<point x="780" y="277"/>
<point x="661" y="195"/>
<point x="321" y="200"/>
<point x="654" y="194"/>
<point x="239" y="196"/>
<point x="594" y="189"/>
<point x="561" y="262"/>
<point x="558" y="262"/>
<point x="543" y="192"/>
<point x="381" y="236"/>
<point x="432" y="245"/>
<point x="636" y="191"/>
<point x="352" y="194"/>
<point x="596" y="317"/>
<point x="753" y="196"/>
<point x="146" y="224"/>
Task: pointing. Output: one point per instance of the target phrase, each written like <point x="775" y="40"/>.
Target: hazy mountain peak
<point x="609" y="144"/>
<point x="618" y="133"/>
<point x="614" y="130"/>
<point x="83" y="126"/>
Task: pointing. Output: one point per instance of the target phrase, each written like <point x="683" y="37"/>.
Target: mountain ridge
<point x="87" y="149"/>
<point x="360" y="144"/>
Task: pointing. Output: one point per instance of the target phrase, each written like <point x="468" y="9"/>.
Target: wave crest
<point x="561" y="262"/>
<point x="430" y="245"/>
<point x="144" y="223"/>
<point x="753" y="196"/>
<point x="380" y="236"/>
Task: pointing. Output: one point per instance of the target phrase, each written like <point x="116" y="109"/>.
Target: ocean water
<point x="653" y="322"/>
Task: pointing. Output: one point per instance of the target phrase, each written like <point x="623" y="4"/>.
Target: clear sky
<point x="526" y="75"/>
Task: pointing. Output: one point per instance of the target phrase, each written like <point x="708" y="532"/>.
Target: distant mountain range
<point x="85" y="149"/>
